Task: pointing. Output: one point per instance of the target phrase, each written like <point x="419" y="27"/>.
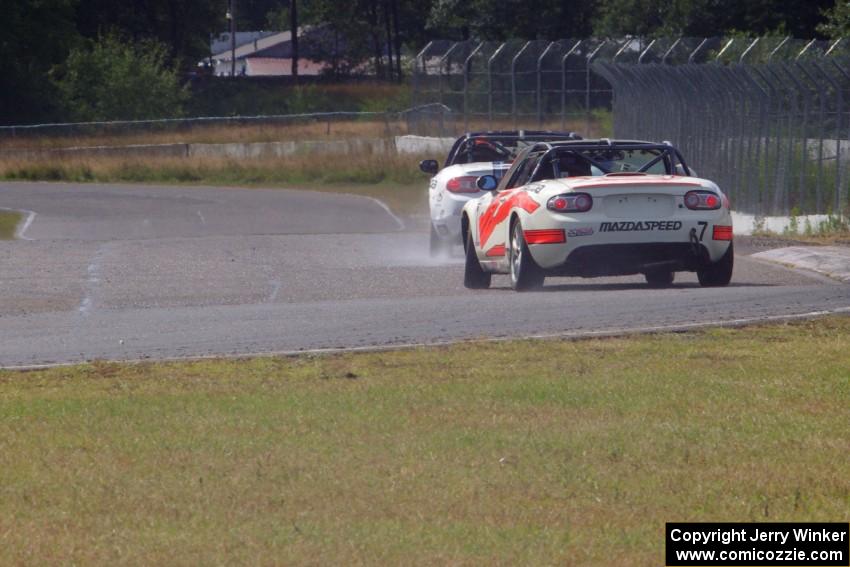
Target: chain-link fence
<point x="767" y="118"/>
<point x="516" y="84"/>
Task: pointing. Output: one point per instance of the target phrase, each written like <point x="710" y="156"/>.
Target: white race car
<point x="472" y="155"/>
<point x="597" y="208"/>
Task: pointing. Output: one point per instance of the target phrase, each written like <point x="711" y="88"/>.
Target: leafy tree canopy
<point x="115" y="79"/>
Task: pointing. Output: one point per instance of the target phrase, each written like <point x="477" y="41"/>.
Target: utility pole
<point x="231" y="15"/>
<point x="293" y="26"/>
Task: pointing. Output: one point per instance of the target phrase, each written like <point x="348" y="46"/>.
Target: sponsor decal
<point x="583" y="231"/>
<point x="639" y="226"/>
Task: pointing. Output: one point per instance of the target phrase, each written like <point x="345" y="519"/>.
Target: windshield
<point x="601" y="161"/>
<point x="496" y="148"/>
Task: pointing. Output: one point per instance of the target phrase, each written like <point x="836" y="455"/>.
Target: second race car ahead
<point x="472" y="155"/>
<point x="598" y="208"/>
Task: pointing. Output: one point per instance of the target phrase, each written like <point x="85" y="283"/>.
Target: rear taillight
<point x="702" y="200"/>
<point x="722" y="232"/>
<point x="464" y="184"/>
<point x="570" y="203"/>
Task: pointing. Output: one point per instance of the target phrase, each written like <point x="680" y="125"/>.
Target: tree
<point x="704" y="18"/>
<point x="837" y="22"/>
<point x="184" y="26"/>
<point x="36" y="36"/>
<point x="114" y="79"/>
<point x="506" y="19"/>
<point x="293" y="29"/>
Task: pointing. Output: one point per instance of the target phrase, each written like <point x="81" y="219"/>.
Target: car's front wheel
<point x="720" y="272"/>
<point x="474" y="276"/>
<point x="525" y="273"/>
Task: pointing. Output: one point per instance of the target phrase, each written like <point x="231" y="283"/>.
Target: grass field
<point x="9" y="223"/>
<point x="526" y="452"/>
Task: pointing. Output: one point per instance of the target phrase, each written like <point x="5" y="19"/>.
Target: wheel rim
<point x="516" y="253"/>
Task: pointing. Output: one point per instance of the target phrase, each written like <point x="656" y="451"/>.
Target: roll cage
<point x="543" y="160"/>
<point x="501" y="141"/>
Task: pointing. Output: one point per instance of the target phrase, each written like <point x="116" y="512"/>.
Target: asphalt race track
<point x="139" y="272"/>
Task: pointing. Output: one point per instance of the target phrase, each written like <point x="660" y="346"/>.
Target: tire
<point x="719" y="273"/>
<point x="659" y="278"/>
<point x="474" y="276"/>
<point x="525" y="273"/>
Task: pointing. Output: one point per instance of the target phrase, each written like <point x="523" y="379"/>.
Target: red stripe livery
<point x="500" y="208"/>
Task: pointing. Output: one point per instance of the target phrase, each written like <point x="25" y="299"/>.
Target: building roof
<point x="261" y="44"/>
<point x="279" y="66"/>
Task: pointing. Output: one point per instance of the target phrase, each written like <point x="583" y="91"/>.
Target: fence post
<point x="466" y="64"/>
<point x="645" y="51"/>
<point x="564" y="84"/>
<point x="420" y="57"/>
<point x="697" y="50"/>
<point x="513" y="82"/>
<point x="587" y="84"/>
<point x="822" y="121"/>
<point x="840" y="199"/>
<point x="490" y="83"/>
<point x="540" y="83"/>
<point x="670" y="50"/>
<point x="443" y="59"/>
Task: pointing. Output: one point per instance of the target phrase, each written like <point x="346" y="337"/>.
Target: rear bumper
<point x="625" y="259"/>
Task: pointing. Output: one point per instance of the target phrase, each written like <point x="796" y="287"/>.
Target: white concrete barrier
<point x="439" y="147"/>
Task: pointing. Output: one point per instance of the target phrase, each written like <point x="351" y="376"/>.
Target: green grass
<point x="9" y="221"/>
<point x="526" y="452"/>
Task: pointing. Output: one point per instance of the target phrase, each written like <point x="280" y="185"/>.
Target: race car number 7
<point x="704" y="225"/>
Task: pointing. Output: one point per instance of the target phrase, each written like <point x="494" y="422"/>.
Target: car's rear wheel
<point x="659" y="278"/>
<point x="474" y="276"/>
<point x="720" y="272"/>
<point x="525" y="273"/>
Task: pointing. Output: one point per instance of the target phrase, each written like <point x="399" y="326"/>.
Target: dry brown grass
<point x="304" y="130"/>
<point x="395" y="179"/>
<point x="210" y="134"/>
<point x="517" y="453"/>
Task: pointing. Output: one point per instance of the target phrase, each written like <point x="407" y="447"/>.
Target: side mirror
<point x="487" y="182"/>
<point x="429" y="166"/>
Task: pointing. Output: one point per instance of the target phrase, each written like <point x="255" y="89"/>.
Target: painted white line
<point x="92" y="279"/>
<point x="203" y="220"/>
<point x="568" y="335"/>
<point x="389" y="212"/>
<point x="22" y="228"/>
